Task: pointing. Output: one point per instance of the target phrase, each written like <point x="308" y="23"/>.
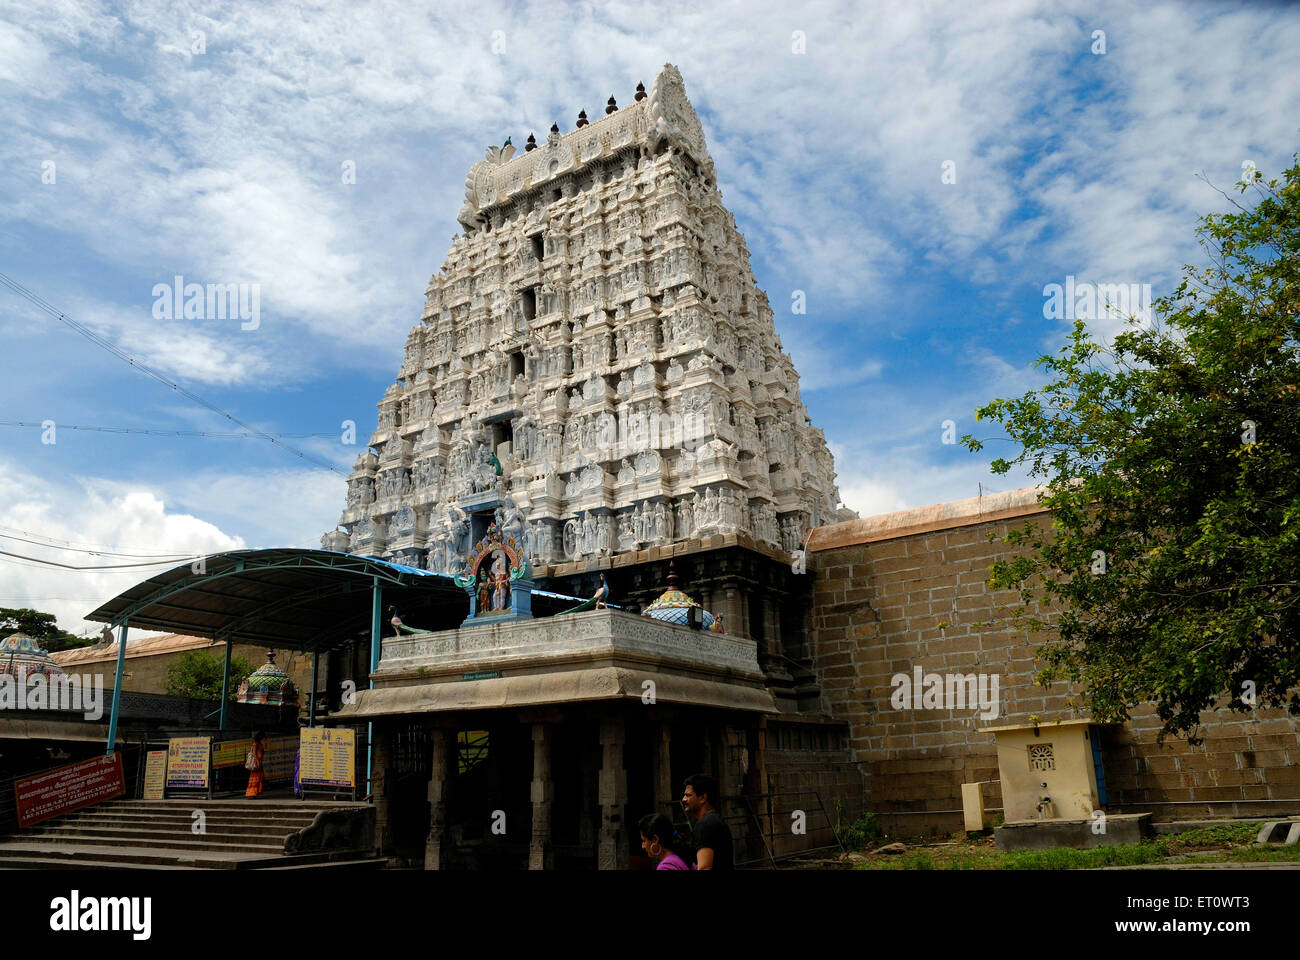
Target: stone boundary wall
<point x="908" y="589"/>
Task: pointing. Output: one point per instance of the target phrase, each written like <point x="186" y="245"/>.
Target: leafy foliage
<point x="1171" y="463"/>
<point x="197" y="674"/>
<point x="862" y="833"/>
<point x="39" y="626"/>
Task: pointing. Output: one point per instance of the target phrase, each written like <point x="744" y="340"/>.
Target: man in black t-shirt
<point x="712" y="837"/>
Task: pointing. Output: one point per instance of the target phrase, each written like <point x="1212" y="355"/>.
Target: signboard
<point x="187" y="761"/>
<point x="69" y="788"/>
<point x="484" y="675"/>
<point x="155" y="774"/>
<point x="277" y="758"/>
<point x="230" y="753"/>
<point x="328" y="757"/>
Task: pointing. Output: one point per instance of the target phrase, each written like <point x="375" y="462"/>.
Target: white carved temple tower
<point x="595" y="368"/>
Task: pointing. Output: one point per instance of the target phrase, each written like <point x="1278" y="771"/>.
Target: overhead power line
<point x="106" y="566"/>
<point x="209" y="434"/>
<point x="99" y="553"/>
<point x="122" y="355"/>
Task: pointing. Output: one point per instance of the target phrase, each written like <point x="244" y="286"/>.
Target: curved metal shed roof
<point x="287" y="598"/>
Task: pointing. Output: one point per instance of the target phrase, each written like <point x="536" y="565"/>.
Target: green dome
<point x="20" y="655"/>
<point x="268" y="684"/>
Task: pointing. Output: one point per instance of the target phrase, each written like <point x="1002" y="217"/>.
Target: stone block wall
<point x="908" y="590"/>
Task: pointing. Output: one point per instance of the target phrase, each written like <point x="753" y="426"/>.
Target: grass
<point x="1233" y="842"/>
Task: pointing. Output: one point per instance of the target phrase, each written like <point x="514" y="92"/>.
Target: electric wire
<point x="107" y="566"/>
<point x="209" y="434"/>
<point x="122" y="355"/>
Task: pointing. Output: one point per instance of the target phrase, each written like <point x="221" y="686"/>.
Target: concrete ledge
<point x="534" y="690"/>
<point x="1121" y="828"/>
<point x="938" y="516"/>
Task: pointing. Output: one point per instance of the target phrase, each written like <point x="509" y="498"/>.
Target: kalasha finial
<point x="640" y="92"/>
<point x="531" y="144"/>
<point x="610" y="105"/>
<point x="582" y="118"/>
<point x="673" y="580"/>
<point x="555" y="128"/>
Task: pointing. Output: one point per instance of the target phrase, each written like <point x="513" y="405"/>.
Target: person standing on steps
<point x="713" y="849"/>
<point x="256" y="780"/>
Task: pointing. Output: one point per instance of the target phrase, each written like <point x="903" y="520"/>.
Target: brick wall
<point x="910" y="589"/>
<point x="148" y="674"/>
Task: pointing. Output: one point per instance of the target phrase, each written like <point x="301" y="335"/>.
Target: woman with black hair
<point x="660" y="842"/>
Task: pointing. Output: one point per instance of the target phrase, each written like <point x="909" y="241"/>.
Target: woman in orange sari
<point x="255" y="778"/>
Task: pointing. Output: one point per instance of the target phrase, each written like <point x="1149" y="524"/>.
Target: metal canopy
<point x="286" y="598"/>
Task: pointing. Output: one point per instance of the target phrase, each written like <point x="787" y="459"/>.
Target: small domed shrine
<point x="674" y="606"/>
<point x="268" y="684"/>
<point x="20" y="655"/>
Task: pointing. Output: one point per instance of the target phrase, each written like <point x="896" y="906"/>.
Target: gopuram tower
<point x="597" y="372"/>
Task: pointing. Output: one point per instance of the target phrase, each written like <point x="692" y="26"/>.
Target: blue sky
<point x="924" y="298"/>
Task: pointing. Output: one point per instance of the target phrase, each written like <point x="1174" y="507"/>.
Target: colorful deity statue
<point x="496" y="576"/>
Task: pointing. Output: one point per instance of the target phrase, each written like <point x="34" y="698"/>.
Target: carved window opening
<point x="528" y="303"/>
<point x="538" y="243"/>
<point x="516" y="365"/>
<point x="1042" y="757"/>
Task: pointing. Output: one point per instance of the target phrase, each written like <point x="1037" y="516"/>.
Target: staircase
<point x="159" y="835"/>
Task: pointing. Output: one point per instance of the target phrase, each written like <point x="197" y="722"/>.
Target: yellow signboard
<point x="277" y="762"/>
<point x="187" y="761"/>
<point x="155" y="774"/>
<point x="230" y="753"/>
<point x="328" y="757"/>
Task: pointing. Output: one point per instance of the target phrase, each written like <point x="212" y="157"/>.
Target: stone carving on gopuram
<point x="595" y="370"/>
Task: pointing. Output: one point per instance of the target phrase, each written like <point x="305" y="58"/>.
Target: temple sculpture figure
<point x="595" y="371"/>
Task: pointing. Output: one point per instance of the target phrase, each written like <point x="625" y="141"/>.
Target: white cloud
<point x="88" y="512"/>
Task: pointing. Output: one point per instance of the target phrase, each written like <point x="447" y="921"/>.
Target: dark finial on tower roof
<point x="531" y="144"/>
<point x="640" y="92"/>
<point x="582" y="118"/>
<point x="673" y="580"/>
<point x="555" y="128"/>
<point x="610" y="105"/>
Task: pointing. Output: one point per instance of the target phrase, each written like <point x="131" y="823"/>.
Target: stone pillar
<point x="379" y="788"/>
<point x="731" y="784"/>
<point x="612" y="853"/>
<point x="442" y="745"/>
<point x="662" y="771"/>
<point x="735" y="761"/>
<point x="772" y="624"/>
<point x="732" y="608"/>
<point x="590" y="790"/>
<point x="541" y="853"/>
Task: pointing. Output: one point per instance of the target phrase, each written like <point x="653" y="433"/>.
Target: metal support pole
<point x="315" y="672"/>
<point x="117" y="688"/>
<point x="376" y="605"/>
<point x="225" y="684"/>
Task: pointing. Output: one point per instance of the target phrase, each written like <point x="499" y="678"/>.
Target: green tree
<point x="1171" y="462"/>
<point x="39" y="626"/>
<point x="197" y="674"/>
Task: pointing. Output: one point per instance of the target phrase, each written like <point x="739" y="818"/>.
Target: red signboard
<point x="69" y="788"/>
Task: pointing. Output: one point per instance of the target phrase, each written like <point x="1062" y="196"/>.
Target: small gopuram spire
<point x="582" y="119"/>
<point x="555" y="128"/>
<point x="610" y="105"/>
<point x="640" y="92"/>
<point x="531" y="144"/>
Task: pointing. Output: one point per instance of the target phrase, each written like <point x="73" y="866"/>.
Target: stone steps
<point x="154" y="834"/>
<point x="28" y="855"/>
